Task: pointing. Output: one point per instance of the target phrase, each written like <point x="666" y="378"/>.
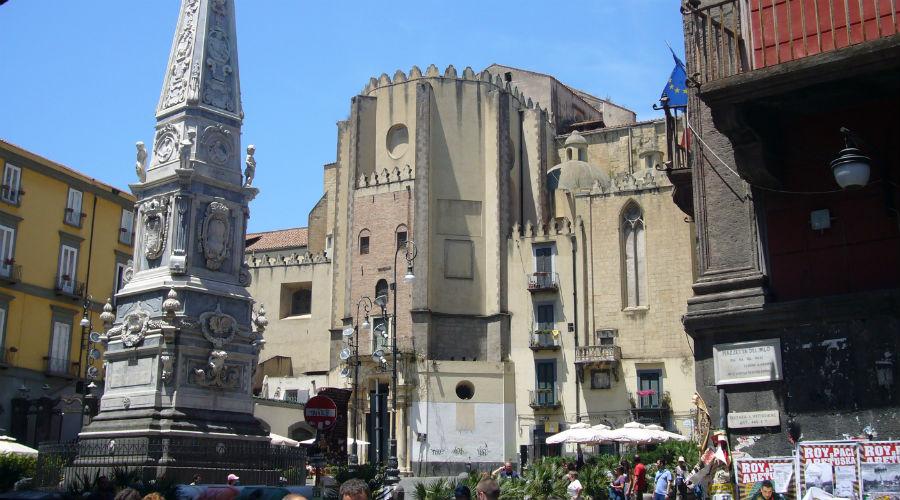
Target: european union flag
<point x="676" y="87"/>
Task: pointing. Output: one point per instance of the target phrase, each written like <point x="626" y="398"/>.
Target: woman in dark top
<point x="617" y="488"/>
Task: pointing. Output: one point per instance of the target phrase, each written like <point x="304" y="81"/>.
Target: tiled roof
<point x="277" y="240"/>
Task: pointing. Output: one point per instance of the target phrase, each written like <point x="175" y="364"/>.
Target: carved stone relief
<point x="166" y="143"/>
<point x="217" y="90"/>
<point x="216" y="234"/>
<point x="217" y="144"/>
<point x="244" y="277"/>
<point x="181" y="57"/>
<point x="167" y="361"/>
<point x="155" y="215"/>
<point x="133" y="328"/>
<point x="215" y="373"/>
<point x="218" y="328"/>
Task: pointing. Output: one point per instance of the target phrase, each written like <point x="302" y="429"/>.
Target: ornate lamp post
<point x="351" y="337"/>
<point x="392" y="473"/>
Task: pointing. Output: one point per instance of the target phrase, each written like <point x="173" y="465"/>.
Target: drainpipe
<point x="521" y="169"/>
<point x="575" y="323"/>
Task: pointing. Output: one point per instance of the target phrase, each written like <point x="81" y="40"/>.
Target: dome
<point x="576" y="175"/>
<point x="575" y="139"/>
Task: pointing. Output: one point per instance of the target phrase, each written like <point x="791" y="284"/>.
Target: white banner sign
<point x="747" y="419"/>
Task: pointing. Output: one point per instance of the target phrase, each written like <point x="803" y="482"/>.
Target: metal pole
<point x="392" y="473"/>
<point x="354" y="458"/>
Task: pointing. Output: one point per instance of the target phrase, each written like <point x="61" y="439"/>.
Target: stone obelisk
<point x="184" y="339"/>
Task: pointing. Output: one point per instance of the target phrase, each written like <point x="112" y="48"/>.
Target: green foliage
<point x="671" y="450"/>
<point x="13" y="468"/>
<point x="439" y="489"/>
<point x="545" y="478"/>
<point x="595" y="480"/>
<point x="83" y="484"/>
<point x="373" y="475"/>
<point x="124" y="477"/>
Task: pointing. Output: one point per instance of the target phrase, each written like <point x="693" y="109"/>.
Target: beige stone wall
<point x="305" y="339"/>
<point x="622" y="149"/>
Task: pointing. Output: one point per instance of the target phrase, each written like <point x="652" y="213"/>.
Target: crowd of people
<point x="626" y="483"/>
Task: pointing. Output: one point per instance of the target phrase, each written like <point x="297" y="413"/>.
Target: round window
<point x="465" y="390"/>
<point x="397" y="141"/>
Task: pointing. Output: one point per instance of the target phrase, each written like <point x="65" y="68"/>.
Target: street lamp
<point x="351" y="337"/>
<point x="851" y="167"/>
<point x="392" y="473"/>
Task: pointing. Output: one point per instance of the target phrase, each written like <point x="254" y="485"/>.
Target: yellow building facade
<point x="65" y="245"/>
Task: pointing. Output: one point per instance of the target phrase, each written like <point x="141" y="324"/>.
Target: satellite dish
<point x="94" y="336"/>
<point x="92" y="372"/>
<point x="94" y="354"/>
<point x="345" y="372"/>
<point x="345" y="354"/>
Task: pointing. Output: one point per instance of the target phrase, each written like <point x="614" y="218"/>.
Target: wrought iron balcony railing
<point x="543" y="281"/>
<point x="68" y="286"/>
<point x="544" y="398"/>
<point x="11" y="273"/>
<point x="545" y="339"/>
<point x="735" y="36"/>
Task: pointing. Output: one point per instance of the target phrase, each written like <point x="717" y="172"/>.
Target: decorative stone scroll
<point x="166" y="143"/>
<point x="216" y="234"/>
<point x="181" y="57"/>
<point x="217" y="144"/>
<point x="215" y="373"/>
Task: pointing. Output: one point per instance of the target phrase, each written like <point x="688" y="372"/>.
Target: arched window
<point x="568" y="153"/>
<point x="402" y="235"/>
<point x="301" y="302"/>
<point x="364" y="242"/>
<point x="634" y="256"/>
<point x="381" y="288"/>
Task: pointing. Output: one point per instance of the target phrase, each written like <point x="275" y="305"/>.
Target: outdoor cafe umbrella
<point x="9" y="445"/>
<point x="580" y="432"/>
<point x="312" y="441"/>
<point x="664" y="435"/>
<point x="632" y="433"/>
<point x="278" y="440"/>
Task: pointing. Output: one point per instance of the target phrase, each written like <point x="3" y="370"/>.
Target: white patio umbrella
<point x="663" y="435"/>
<point x="632" y="433"/>
<point x="580" y="432"/>
<point x="8" y="445"/>
<point x="312" y="441"/>
<point x="278" y="440"/>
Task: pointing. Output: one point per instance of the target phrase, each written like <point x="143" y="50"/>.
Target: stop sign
<point x="320" y="412"/>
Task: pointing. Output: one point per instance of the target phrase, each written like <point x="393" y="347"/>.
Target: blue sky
<point x="80" y="80"/>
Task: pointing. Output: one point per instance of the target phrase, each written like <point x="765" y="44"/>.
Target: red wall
<point x="861" y="250"/>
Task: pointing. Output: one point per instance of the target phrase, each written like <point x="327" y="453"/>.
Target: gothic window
<point x="402" y="235"/>
<point x="381" y="289"/>
<point x="364" y="242"/>
<point x="633" y="256"/>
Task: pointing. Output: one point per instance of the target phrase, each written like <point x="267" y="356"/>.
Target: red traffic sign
<point x="320" y="412"/>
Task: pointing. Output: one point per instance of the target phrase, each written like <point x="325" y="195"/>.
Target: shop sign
<point x="743" y="420"/>
<point x="747" y="362"/>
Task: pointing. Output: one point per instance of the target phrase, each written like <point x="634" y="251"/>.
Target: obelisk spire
<point x="203" y="66"/>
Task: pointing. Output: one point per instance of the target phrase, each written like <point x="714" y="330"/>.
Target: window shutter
<point x="7" y="237"/>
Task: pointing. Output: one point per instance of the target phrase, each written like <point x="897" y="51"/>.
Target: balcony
<point x="651" y="409"/>
<point x="68" y="287"/>
<point x="545" y="339"/>
<point x="544" y="399"/>
<point x="543" y="282"/>
<point x="602" y="356"/>
<point x="11" y="273"/>
<point x="731" y="37"/>
<point x="60" y="367"/>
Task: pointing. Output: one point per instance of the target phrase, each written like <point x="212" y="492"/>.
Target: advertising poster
<point x="766" y="478"/>
<point x="829" y="468"/>
<point x="880" y="469"/>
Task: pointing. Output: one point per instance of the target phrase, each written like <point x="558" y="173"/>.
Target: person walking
<point x="617" y="487"/>
<point x="575" y="488"/>
<point x="639" y="479"/>
<point x="681" y="471"/>
<point x="662" y="481"/>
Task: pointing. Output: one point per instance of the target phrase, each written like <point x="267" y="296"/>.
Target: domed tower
<point x="574" y="174"/>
